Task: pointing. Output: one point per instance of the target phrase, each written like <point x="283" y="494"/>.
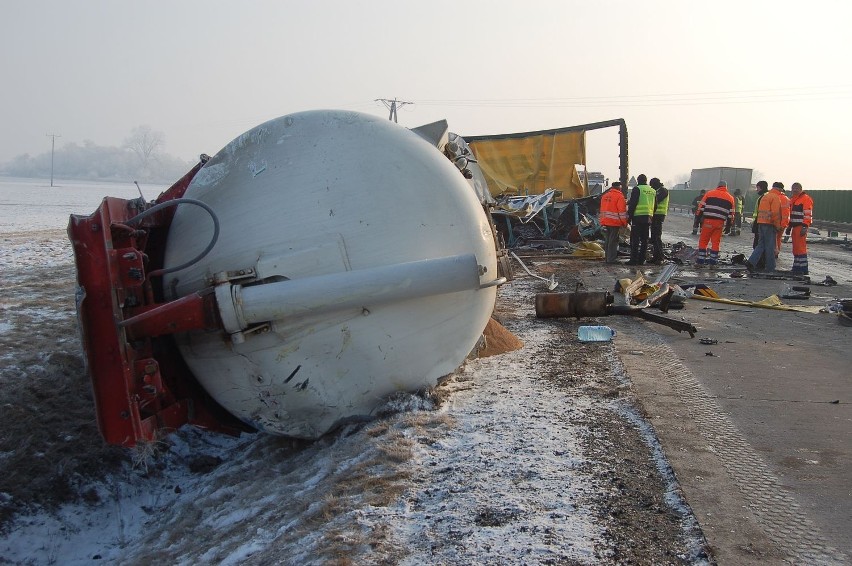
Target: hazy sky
<point x="759" y="84"/>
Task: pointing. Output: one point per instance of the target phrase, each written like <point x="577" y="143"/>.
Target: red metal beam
<point x="141" y="384"/>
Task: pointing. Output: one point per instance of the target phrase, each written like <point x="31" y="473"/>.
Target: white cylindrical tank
<point x="349" y="205"/>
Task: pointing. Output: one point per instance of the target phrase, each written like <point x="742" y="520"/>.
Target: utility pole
<point x="393" y="105"/>
<point x="52" y="149"/>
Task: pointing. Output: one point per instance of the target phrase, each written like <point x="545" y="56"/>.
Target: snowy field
<point x="533" y="457"/>
<point x="32" y="204"/>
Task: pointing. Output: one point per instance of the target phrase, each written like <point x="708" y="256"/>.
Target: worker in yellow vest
<point x="640" y="209"/>
<point x="661" y="208"/>
<point x="738" y="212"/>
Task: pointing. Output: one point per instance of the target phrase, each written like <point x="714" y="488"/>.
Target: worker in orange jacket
<point x="768" y="227"/>
<point x="785" y="215"/>
<point x="717" y="212"/>
<point x="801" y="216"/>
<point x="613" y="217"/>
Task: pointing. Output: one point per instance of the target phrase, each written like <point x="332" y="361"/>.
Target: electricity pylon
<point x="393" y="105"/>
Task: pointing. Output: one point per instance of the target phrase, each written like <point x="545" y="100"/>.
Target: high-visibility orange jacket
<point x="613" y="208"/>
<point x="801" y="209"/>
<point x="717" y="205"/>
<point x="769" y="209"/>
<point x="785" y="207"/>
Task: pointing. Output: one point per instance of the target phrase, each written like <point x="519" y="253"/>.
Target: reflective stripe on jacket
<point x="718" y="204"/>
<point x="769" y="210"/>
<point x="613" y="208"/>
<point x="801" y="210"/>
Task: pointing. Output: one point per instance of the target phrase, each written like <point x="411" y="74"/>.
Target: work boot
<point x="695" y="232"/>
<point x="750" y="267"/>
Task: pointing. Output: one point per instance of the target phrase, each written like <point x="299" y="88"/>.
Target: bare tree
<point x="144" y="142"/>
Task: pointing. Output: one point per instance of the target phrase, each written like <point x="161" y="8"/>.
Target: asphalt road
<point x="757" y="427"/>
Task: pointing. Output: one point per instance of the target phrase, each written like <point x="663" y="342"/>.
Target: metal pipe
<point x="241" y="306"/>
<point x="554" y="305"/>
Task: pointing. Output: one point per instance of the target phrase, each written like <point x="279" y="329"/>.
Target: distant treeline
<point x="93" y="162"/>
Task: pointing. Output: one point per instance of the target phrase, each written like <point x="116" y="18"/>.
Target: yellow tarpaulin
<point x="532" y="164"/>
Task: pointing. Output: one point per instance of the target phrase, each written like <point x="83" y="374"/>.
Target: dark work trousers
<point x="639" y="238"/>
<point x="657" y="238"/>
<point x="696" y="222"/>
<point x="612" y="243"/>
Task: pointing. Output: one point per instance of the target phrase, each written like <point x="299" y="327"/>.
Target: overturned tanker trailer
<point x="315" y="265"/>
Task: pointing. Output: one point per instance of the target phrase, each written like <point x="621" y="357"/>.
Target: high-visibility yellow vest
<point x="645" y="206"/>
<point x="662" y="207"/>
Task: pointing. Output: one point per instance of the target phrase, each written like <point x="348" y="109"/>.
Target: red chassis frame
<point x="141" y="384"/>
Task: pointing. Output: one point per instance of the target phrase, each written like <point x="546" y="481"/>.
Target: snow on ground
<point x="497" y="471"/>
<point x="32" y="204"/>
<point x="496" y="474"/>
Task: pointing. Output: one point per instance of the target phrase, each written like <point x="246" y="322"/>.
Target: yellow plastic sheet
<point x="770" y="302"/>
<point x="532" y="164"/>
<point x="588" y="249"/>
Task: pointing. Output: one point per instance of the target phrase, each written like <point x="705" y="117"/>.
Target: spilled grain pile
<point x="498" y="340"/>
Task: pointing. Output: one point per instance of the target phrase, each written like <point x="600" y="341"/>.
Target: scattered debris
<point x="781" y="276"/>
<point x="551" y="283"/>
<point x="524" y="208"/>
<point x="588" y="249"/>
<point x="711" y="354"/>
<point x="709" y="341"/>
<point x="827" y="282"/>
<point x="843" y="309"/>
<point x="702" y="290"/>
<point x="592" y="304"/>
<point x="796" y="292"/>
<point x="682" y="253"/>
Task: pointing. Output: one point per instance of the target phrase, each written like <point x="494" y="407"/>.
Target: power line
<point x="795" y="94"/>
<point x="393" y="105"/>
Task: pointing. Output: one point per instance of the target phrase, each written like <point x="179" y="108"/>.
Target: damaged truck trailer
<point x="315" y="265"/>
